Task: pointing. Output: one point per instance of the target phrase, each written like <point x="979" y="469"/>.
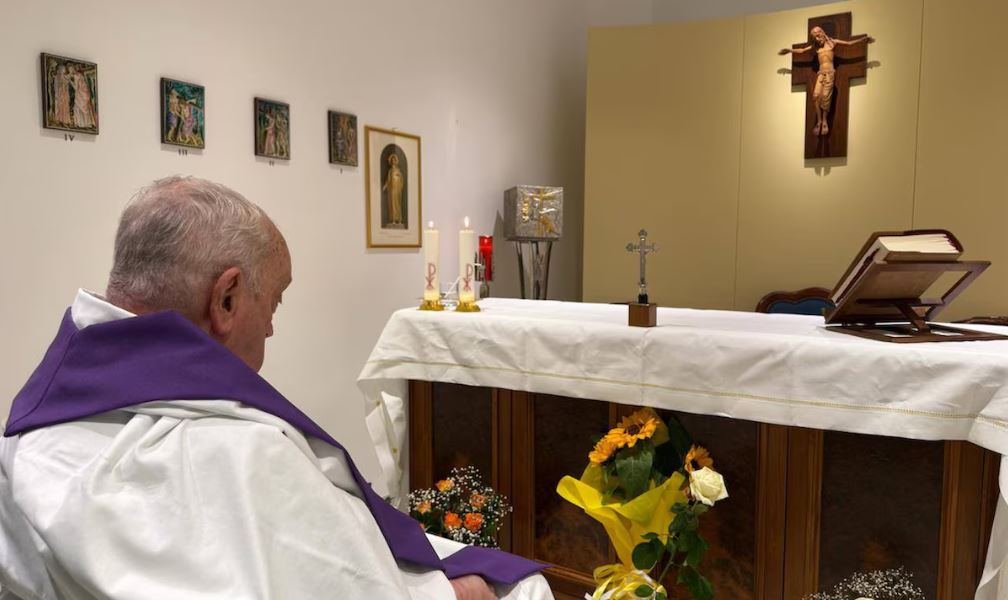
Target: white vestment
<point x="194" y="499"/>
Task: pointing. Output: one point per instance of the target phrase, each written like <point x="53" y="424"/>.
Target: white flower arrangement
<point x="893" y="584"/>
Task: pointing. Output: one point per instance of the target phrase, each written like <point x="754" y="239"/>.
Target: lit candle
<point x="467" y="271"/>
<point x="432" y="252"/>
<point x="486" y="256"/>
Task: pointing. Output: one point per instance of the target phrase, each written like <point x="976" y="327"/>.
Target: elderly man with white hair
<point x="146" y="458"/>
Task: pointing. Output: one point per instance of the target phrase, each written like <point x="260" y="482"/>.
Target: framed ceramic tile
<point x="183" y="113"/>
<point x="272" y="129"/>
<point x="69" y="94"/>
<point x="342" y="138"/>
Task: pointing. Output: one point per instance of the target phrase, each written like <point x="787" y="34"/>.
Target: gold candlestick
<point x="431" y="305"/>
<point x="468" y="306"/>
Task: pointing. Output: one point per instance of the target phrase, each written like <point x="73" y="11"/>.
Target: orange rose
<point x="444" y="485"/>
<point x="452" y="521"/>
<point x="424" y="507"/>
<point x="473" y="521"/>
<point x="477" y="500"/>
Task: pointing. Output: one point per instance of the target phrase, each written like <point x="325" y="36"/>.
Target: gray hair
<point x="177" y="235"/>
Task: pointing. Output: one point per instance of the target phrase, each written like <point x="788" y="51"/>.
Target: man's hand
<point x="472" y="587"/>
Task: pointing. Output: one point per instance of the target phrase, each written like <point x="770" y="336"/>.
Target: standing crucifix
<point x="644" y="249"/>
<point x="825" y="65"/>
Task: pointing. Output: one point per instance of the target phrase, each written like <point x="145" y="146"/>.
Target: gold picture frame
<point x="393" y="185"/>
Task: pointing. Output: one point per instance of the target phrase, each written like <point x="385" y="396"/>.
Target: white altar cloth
<point x="782" y="369"/>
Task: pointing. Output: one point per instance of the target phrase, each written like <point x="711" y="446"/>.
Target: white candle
<point x="432" y="253"/>
<point x="467" y="271"/>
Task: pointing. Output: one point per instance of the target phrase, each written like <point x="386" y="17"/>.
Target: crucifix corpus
<point x="825" y="64"/>
<point x="642" y="313"/>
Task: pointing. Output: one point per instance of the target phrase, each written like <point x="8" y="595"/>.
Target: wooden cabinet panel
<point x="730" y="528"/>
<point x="881" y="507"/>
<point x="462" y="429"/>
<point x="807" y="508"/>
<point x="564" y="534"/>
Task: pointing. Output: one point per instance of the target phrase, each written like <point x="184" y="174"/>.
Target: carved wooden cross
<point x="644" y="249"/>
<point x="849" y="62"/>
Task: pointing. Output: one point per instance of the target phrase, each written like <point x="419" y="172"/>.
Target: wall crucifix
<point x="825" y="64"/>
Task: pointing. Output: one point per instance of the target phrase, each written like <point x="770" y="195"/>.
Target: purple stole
<point x="163" y="356"/>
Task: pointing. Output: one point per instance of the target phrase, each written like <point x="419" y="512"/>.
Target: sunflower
<point x="698" y="458"/>
<point x="604" y="449"/>
<point x="639" y="426"/>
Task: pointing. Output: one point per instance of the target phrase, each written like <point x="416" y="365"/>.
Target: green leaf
<point x="634" y="468"/>
<point x="697" y="584"/>
<point x="678" y="524"/>
<point x="702" y="589"/>
<point x="687" y="540"/>
<point x="645" y="556"/>
<point x="670" y="545"/>
<point x="696" y="553"/>
<point x="679" y="438"/>
<point x="667" y="459"/>
<point x="700" y="508"/>
<point x="643" y="591"/>
<point x="687" y="576"/>
<point x="661" y="596"/>
<point x="650" y="536"/>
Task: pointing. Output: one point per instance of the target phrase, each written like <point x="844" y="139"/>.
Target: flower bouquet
<point x="893" y="584"/>
<point x="648" y="484"/>
<point x="461" y="508"/>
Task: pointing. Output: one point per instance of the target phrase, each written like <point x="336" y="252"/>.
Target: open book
<point x="882" y="294"/>
<point x="934" y="245"/>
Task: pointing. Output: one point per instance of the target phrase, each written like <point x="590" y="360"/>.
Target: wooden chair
<point x="809" y="301"/>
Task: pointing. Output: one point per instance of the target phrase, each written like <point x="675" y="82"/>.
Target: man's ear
<point x="224" y="298"/>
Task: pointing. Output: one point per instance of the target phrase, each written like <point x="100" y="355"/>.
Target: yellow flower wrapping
<point x="619" y="582"/>
<point x="624" y="522"/>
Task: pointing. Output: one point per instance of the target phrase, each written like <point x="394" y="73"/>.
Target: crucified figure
<point x="823" y="93"/>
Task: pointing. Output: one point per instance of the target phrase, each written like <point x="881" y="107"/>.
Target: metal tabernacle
<point x="533" y="219"/>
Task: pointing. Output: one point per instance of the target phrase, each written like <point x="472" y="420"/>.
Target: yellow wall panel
<point x="962" y="179"/>
<point x="662" y="152"/>
<point x="695" y="132"/>
<point x="801" y="221"/>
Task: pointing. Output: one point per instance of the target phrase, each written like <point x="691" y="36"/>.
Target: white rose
<point x="707" y="486"/>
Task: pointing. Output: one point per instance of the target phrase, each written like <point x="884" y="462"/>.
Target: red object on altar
<point x="486" y="257"/>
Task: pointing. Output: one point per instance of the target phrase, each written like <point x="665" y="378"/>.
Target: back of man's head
<point x="176" y="236"/>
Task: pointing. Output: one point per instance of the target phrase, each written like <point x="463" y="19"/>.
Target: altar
<point x="841" y="454"/>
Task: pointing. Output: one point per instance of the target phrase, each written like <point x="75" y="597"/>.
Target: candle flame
<point x="466" y="221"/>
<point x="430" y="224"/>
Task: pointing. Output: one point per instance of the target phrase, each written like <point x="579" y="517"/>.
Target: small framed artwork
<point x="272" y="129"/>
<point x="69" y="94"/>
<point x="183" y="113"/>
<point x="393" y="184"/>
<point x="342" y="138"/>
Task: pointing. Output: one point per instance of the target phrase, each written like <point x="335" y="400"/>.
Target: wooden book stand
<point x="864" y="312"/>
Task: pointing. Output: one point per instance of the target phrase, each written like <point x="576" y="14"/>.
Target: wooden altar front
<point x="807" y="508"/>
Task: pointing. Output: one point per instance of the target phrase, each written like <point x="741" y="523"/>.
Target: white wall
<point x="495" y="89"/>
